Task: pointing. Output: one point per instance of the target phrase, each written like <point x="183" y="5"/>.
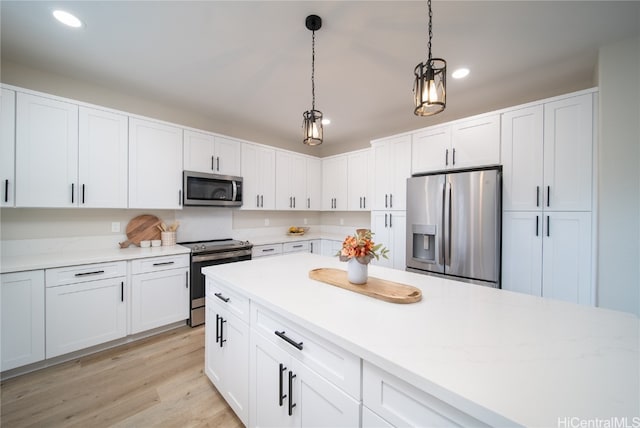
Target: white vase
<point x="357" y="272"/>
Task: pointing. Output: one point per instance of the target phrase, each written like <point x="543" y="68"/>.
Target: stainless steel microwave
<point x="214" y="190"/>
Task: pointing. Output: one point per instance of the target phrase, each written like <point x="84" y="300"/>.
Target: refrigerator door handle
<point x="450" y="227"/>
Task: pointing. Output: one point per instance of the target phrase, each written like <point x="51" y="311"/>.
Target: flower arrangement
<point x="361" y="247"/>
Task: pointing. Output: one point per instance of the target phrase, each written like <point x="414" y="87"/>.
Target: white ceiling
<point x="248" y="63"/>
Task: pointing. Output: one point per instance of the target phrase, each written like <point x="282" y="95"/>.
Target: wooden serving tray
<point x="374" y="287"/>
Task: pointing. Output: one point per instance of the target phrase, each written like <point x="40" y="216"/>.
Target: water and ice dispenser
<point x="424" y="242"/>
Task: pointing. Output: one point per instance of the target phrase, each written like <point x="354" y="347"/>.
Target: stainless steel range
<point x="209" y="253"/>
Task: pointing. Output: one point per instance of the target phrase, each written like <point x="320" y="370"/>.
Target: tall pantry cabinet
<point x="547" y="155"/>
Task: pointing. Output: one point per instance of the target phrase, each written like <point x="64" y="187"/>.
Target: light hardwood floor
<point x="156" y="382"/>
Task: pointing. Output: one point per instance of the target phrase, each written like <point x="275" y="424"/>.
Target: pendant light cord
<point x="313" y="68"/>
<point x="430" y="32"/>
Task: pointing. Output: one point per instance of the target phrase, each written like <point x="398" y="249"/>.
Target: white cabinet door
<point x="475" y="142"/>
<point x="85" y="314"/>
<point x="227" y="156"/>
<point x="204" y="152"/>
<point x="359" y="170"/>
<point x="291" y="185"/>
<point x="155" y="165"/>
<point x="567" y="257"/>
<point x="522" y="252"/>
<point x="568" y="154"/>
<point x="22" y="318"/>
<point x="227" y="357"/>
<point x="314" y="184"/>
<point x="315" y="246"/>
<point x="7" y="147"/>
<point x="391" y="168"/>
<point x="159" y="298"/>
<point x="429" y="149"/>
<point x="389" y="229"/>
<point x="102" y="155"/>
<point x="334" y="183"/>
<point x="46" y="152"/>
<point x="258" y="170"/>
<point x="522" y="157"/>
<point x="270" y="395"/>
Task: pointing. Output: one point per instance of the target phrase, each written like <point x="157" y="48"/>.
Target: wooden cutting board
<point x="142" y="228"/>
<point x="374" y="287"/>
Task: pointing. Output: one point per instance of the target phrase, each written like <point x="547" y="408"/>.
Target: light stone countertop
<point x="505" y="358"/>
<point x="46" y="260"/>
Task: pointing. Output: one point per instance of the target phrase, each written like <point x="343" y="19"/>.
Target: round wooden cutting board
<point x="142" y="228"/>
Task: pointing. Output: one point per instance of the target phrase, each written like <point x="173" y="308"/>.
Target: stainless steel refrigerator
<point x="454" y="223"/>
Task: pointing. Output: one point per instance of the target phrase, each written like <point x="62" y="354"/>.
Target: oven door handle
<point x="220" y="256"/>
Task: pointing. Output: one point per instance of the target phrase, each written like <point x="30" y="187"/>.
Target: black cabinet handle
<point x="217" y="328"/>
<point x="390" y="220"/>
<point x="83" y="193"/>
<point x="537" y="196"/>
<point x="283" y="336"/>
<point x="385" y="221"/>
<point x="261" y="201"/>
<point x="221" y="297"/>
<point x="212" y="167"/>
<point x="308" y="203"/>
<point x="281" y="397"/>
<point x="390" y="200"/>
<point x="163" y="263"/>
<point x="179" y="197"/>
<point x="266" y="250"/>
<point x="364" y="202"/>
<point x="73" y="187"/>
<point x="122" y="291"/>
<point x="291" y="403"/>
<point x="257" y="201"/>
<point x="548" y="226"/>
<point x="446" y="157"/>
<point x="537" y="221"/>
<point x="453" y="157"/>
<point x="218" y="163"/>
<point x="290" y="202"/>
<point x="95" y="272"/>
<point x="548" y="194"/>
<point x="222" y="340"/>
<point x="6" y="190"/>
<point x="294" y="202"/>
<point x="298" y="246"/>
<point x="386" y="205"/>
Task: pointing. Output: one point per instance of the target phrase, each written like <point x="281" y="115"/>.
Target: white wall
<point x="618" y="255"/>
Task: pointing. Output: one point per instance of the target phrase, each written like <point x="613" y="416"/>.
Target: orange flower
<point x="361" y="247"/>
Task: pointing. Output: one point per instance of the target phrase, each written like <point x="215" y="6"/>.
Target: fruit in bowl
<point x="295" y="230"/>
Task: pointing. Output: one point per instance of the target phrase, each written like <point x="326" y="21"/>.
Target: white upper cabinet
<point x="291" y="181"/>
<point x="429" y="149"/>
<point x="568" y="154"/>
<point x="259" y="180"/>
<point x="522" y="151"/>
<point x="314" y="184"/>
<point x="102" y="156"/>
<point x="465" y="143"/>
<point x="334" y="183"/>
<point x="359" y="168"/>
<point x="46" y="152"/>
<point x="155" y="165"/>
<point x="391" y="167"/>
<point x="7" y="147"/>
<point x="210" y="153"/>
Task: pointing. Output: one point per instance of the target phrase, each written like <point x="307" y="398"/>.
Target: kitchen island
<point x="492" y="356"/>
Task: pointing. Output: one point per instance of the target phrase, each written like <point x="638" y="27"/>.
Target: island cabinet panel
<point x="227" y="346"/>
<point x="22" y="299"/>
<point x="401" y="404"/>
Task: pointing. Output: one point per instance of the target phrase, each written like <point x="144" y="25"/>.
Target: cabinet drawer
<point x="402" y="404"/>
<point x="295" y="247"/>
<point x="266" y="250"/>
<point x="233" y="302"/>
<point x="154" y="264"/>
<point x="328" y="360"/>
<point x="84" y="273"/>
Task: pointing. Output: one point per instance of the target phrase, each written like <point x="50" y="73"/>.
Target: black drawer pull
<point x="266" y="250"/>
<point x="221" y="297"/>
<point x="97" y="272"/>
<point x="163" y="263"/>
<point x="283" y="336"/>
<point x="298" y="246"/>
<point x="6" y="190"/>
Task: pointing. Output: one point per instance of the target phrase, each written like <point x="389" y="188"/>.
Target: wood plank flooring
<point x="155" y="382"/>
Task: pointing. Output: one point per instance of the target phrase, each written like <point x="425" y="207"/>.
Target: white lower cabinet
<point x="266" y="250"/>
<point x="159" y="292"/>
<point x="85" y="306"/>
<point x="394" y="402"/>
<point x="22" y="318"/>
<point x="227" y="347"/>
<point x="315" y="246"/>
<point x="295" y="247"/>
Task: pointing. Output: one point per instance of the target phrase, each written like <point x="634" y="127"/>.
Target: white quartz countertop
<point x="73" y="257"/>
<point x="284" y="238"/>
<point x="505" y="358"/>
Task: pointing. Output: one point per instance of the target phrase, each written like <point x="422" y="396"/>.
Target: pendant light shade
<point x="312" y="119"/>
<point x="429" y="87"/>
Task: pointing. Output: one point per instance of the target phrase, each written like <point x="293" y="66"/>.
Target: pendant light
<point x="429" y="88"/>
<point x="312" y="123"/>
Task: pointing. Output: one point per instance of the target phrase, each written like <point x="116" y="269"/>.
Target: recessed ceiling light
<point x="460" y="73"/>
<point x="67" y="19"/>
<point x="326" y="121"/>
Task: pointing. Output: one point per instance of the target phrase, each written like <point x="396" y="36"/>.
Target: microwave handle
<point x="234" y="186"/>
